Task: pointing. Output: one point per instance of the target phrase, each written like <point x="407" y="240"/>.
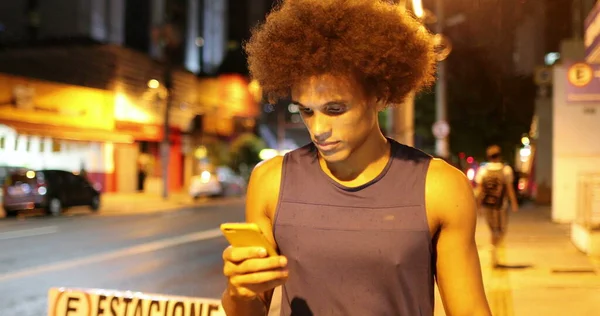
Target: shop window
<point x="56" y="146"/>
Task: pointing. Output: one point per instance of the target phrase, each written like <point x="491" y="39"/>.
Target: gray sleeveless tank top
<point x="355" y="251"/>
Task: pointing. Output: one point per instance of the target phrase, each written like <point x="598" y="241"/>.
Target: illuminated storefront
<point x="115" y="135"/>
<point x="46" y="125"/>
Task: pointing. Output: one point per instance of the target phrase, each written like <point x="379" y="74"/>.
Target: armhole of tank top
<point x="426" y="166"/>
<point x="281" y="190"/>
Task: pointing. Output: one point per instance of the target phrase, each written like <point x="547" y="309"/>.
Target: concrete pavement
<point x="144" y="203"/>
<point x="542" y="273"/>
<point x="140" y="203"/>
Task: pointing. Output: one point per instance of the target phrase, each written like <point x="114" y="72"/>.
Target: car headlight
<point x="205" y="176"/>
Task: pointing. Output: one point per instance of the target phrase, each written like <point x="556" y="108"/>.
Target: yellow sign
<point x="94" y="302"/>
<point x="41" y="102"/>
<point x="580" y="74"/>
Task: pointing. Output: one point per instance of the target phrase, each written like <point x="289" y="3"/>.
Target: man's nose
<point x="321" y="127"/>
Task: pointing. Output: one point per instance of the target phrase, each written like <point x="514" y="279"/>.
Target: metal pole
<point x="281" y="127"/>
<point x="165" y="148"/>
<point x="577" y="7"/>
<point x="441" y="144"/>
<point x="403" y="121"/>
<point x="400" y="119"/>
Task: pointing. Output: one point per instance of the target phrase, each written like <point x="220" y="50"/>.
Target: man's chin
<point x="334" y="157"/>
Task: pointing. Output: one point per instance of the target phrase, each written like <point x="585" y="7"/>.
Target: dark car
<point x="49" y="190"/>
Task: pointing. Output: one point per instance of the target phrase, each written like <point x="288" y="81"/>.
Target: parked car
<point x="50" y="190"/>
<point x="4" y="172"/>
<point x="222" y="182"/>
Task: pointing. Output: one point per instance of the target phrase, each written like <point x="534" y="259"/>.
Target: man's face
<point x="337" y="113"/>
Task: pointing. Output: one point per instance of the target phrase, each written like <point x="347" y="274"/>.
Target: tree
<point x="244" y="152"/>
<point x="485" y="105"/>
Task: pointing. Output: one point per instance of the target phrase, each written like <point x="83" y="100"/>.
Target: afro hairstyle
<point x="387" y="50"/>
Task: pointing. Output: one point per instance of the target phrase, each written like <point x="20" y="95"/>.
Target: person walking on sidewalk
<point x="363" y="224"/>
<point x="494" y="190"/>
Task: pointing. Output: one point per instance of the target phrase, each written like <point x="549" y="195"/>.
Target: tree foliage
<point x="245" y="150"/>
<point x="485" y="105"/>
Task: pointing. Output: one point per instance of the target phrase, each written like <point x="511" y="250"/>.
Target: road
<point x="179" y="253"/>
<point x="176" y="252"/>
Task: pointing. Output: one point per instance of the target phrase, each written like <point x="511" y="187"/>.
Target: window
<point x="56" y="146"/>
<point x="28" y="144"/>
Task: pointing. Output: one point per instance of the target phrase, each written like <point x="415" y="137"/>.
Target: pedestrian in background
<point x="494" y="190"/>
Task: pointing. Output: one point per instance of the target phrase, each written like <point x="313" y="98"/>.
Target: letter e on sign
<point x="580" y="74"/>
<point x="69" y="303"/>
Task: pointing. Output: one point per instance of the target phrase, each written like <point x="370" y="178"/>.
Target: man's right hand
<point x="251" y="272"/>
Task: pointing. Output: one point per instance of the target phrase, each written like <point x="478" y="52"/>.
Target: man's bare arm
<point x="512" y="196"/>
<point x="451" y="201"/>
<point x="261" y="201"/>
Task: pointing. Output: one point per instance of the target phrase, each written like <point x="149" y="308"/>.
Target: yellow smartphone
<point x="246" y="235"/>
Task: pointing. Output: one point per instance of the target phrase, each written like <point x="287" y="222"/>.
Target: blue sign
<point x="583" y="82"/>
<point x="592" y="35"/>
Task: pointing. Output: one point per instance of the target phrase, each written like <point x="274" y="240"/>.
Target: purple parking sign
<point x="583" y="82"/>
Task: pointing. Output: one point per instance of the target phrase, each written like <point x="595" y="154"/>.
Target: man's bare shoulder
<point x="269" y="169"/>
<point x="263" y="189"/>
<point x="442" y="174"/>
<point x="449" y="193"/>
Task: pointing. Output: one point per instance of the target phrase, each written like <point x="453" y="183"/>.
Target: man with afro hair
<point x="363" y="224"/>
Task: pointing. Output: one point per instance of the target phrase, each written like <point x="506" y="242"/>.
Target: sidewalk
<point x="138" y="203"/>
<point x="542" y="273"/>
<point x="143" y="203"/>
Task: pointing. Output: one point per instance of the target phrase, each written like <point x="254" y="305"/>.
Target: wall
<point x="576" y="149"/>
<point x="14" y="24"/>
<point x="37" y="152"/>
<point x="214" y="33"/>
<point x="98" y="19"/>
<point x="126" y="167"/>
<point x="543" y="156"/>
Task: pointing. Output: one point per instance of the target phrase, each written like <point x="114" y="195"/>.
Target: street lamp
<point x="441" y="108"/>
<point x="443" y="46"/>
<point x="401" y="119"/>
<point x="153" y="84"/>
<point x="169" y="38"/>
<point x="418" y="8"/>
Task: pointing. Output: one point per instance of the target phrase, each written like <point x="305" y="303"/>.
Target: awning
<point x="68" y="133"/>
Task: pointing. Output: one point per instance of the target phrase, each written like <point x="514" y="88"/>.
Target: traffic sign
<point x="543" y="76"/>
<point x="440" y="129"/>
<point x="580" y="74"/>
<point x="85" y="302"/>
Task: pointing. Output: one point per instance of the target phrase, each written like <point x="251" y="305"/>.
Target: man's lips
<point x="326" y="146"/>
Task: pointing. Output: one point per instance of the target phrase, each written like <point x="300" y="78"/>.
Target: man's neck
<point x="366" y="161"/>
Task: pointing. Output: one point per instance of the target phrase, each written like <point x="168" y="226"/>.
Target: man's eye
<point x="336" y="109"/>
<point x="306" y="110"/>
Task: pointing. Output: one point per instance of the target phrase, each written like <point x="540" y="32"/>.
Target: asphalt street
<point x="174" y="253"/>
<point x="178" y="252"/>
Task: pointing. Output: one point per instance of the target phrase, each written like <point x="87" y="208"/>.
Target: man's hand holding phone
<point x="251" y="263"/>
<point x="251" y="271"/>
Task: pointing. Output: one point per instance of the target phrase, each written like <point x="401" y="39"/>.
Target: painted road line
<point x="130" y="251"/>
